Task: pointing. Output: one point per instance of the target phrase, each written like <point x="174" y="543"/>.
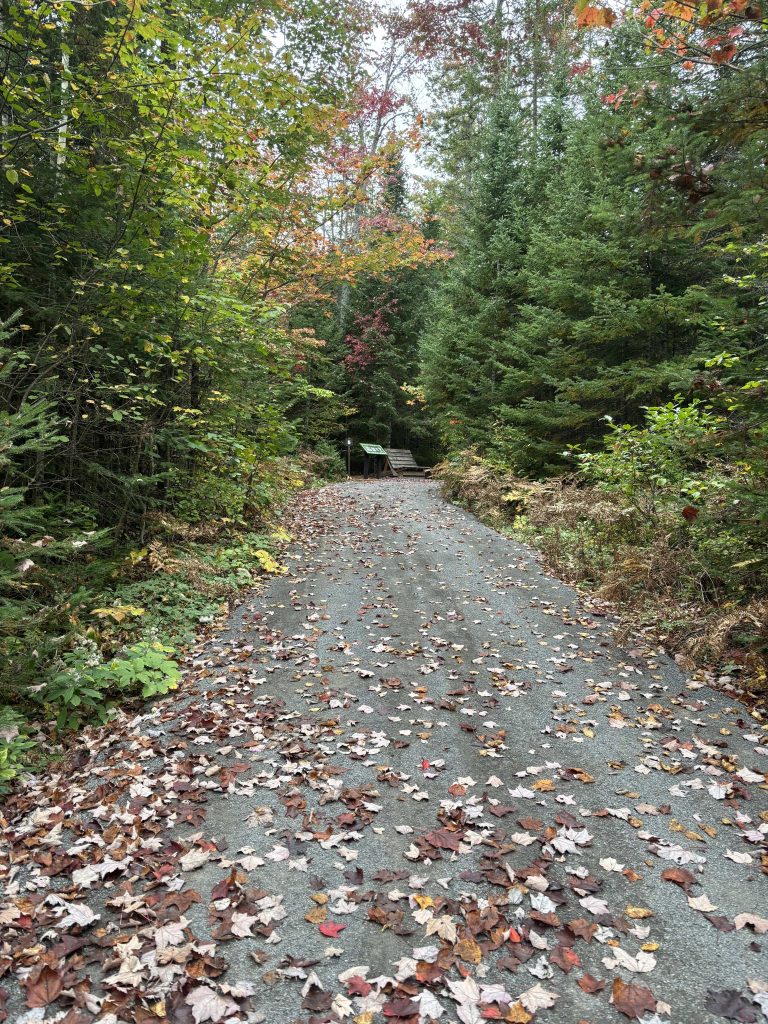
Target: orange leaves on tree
<point x="683" y="12"/>
<point x="615" y="99"/>
<point x="677" y="25"/>
<point x="594" y="17"/>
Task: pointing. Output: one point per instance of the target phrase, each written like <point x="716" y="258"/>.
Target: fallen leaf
<point x="45" y="988"/>
<point x="738" y="857"/>
<point x="638" y="913"/>
<point x="754" y="921"/>
<point x="680" y="876"/>
<point x="517" y="1014"/>
<point x="609" y="864"/>
<point x="468" y="950"/>
<point x="194" y="859"/>
<point x="398" y="1009"/>
<point x="632" y="1000"/>
<point x="331" y="930"/>
<point x="639" y="964"/>
<point x="732" y="1005"/>
<point x="590" y="984"/>
<point x="538" y="998"/>
<point x="209" y="1005"/>
<point x="702" y="903"/>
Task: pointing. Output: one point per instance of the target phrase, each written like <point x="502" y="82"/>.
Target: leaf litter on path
<point x="318" y="796"/>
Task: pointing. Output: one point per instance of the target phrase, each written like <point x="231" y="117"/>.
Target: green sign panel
<point x="373" y="449"/>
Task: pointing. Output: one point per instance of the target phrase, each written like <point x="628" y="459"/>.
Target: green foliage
<point x="465" y="345"/>
<point x="609" y="231"/>
<point x="159" y="598"/>
<point x="326" y="461"/>
<point x="145" y="668"/>
<point x="86" y="689"/>
<point x="595" y="265"/>
<point x="658" y="461"/>
<point x="15" y="747"/>
<point x="700" y="468"/>
<point x="157" y="221"/>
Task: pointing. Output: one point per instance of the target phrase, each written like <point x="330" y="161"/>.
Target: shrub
<point x="15" y="746"/>
<point x="660" y="461"/>
<point x="87" y="689"/>
<point x="696" y="471"/>
<point x="324" y="462"/>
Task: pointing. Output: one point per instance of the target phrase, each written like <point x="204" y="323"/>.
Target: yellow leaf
<point x="676" y="10"/>
<point x="268" y="563"/>
<point x="638" y="912"/>
<point x="544" y="785"/>
<point x="517" y="1014"/>
<point x="117" y="612"/>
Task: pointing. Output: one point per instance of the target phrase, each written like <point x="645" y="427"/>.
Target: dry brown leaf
<point x="468" y="950"/>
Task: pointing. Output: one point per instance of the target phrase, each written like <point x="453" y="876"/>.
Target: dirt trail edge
<point x="414" y="780"/>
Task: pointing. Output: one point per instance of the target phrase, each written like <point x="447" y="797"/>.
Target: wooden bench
<point x="402" y="462"/>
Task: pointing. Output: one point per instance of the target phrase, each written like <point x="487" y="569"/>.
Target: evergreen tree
<point x="590" y="280"/>
<point x="465" y="346"/>
<point x="621" y="307"/>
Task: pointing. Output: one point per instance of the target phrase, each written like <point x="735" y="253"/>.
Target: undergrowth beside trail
<point x="658" y="571"/>
<point x="90" y="631"/>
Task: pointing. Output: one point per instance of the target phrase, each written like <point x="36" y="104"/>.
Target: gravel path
<point x="415" y="780"/>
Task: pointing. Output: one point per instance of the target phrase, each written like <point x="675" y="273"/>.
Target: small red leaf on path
<point x="358" y="986"/>
<point x="331" y="930"/>
<point x="565" y="958"/>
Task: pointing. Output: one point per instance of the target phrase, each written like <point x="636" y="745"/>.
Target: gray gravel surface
<point x="415" y="778"/>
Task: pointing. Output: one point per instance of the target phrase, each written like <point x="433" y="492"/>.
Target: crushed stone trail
<point x="415" y="779"/>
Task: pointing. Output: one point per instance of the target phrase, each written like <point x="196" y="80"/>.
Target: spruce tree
<point x="465" y="344"/>
<point x="621" y="307"/>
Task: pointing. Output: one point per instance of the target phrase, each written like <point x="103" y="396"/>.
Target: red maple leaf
<point x="331" y="930"/>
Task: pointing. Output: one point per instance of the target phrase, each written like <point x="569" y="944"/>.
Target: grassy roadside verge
<point x="104" y="629"/>
<point x="652" y="576"/>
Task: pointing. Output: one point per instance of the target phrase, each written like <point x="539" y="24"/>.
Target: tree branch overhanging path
<point x="414" y="779"/>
